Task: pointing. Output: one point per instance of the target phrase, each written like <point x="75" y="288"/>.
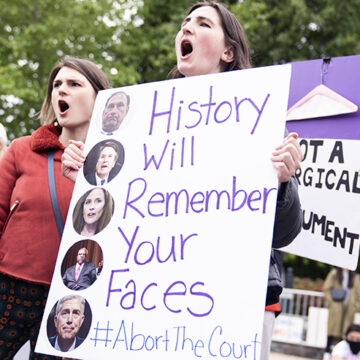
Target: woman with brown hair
<point x="93" y="212"/>
<point x="30" y="236"/>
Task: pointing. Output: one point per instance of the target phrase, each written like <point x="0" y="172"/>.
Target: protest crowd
<point x="41" y="172"/>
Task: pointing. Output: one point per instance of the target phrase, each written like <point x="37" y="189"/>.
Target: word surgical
<point x="161" y="204"/>
<point x="126" y="337"/>
<point x="194" y="114"/>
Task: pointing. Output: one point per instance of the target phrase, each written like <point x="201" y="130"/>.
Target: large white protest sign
<point x="330" y="192"/>
<point x="190" y="210"/>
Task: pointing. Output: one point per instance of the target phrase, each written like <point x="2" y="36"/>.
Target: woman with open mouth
<point x="30" y="236"/>
<point x="211" y="40"/>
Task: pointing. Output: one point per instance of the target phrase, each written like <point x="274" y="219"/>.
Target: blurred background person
<point x="341" y="310"/>
<point x="349" y="348"/>
<point x="3" y="140"/>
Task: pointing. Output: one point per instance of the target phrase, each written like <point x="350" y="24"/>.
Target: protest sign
<point x="329" y="189"/>
<point x="179" y="235"/>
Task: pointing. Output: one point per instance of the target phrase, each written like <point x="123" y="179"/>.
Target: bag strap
<point x="53" y="196"/>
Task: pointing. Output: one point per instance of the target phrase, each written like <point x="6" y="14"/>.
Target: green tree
<point x="293" y="30"/>
<point x="35" y="34"/>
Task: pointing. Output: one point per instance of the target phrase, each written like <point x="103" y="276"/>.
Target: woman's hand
<point x="72" y="159"/>
<point x="287" y="157"/>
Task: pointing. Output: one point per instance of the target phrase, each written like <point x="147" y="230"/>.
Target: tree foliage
<point x="133" y="41"/>
<point x="35" y="34"/>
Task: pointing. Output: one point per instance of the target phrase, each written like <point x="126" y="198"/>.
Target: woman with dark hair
<point x="341" y="311"/>
<point x="93" y="212"/>
<point x="30" y="237"/>
<point x="211" y="40"/>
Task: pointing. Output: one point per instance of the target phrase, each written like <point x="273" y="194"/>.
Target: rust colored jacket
<point x="29" y="238"/>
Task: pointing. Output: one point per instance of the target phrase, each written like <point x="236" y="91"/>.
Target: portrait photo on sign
<point x="69" y="322"/>
<point x="104" y="162"/>
<point x="93" y="212"/>
<point x="82" y="265"/>
<point x="115" y="111"/>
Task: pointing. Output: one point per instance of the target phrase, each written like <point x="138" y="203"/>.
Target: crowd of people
<point x="210" y="40"/>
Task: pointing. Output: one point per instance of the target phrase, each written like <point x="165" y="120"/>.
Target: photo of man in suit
<point x="81" y="275"/>
<point x="104" y="162"/>
<point x="116" y="108"/>
<point x="69" y="316"/>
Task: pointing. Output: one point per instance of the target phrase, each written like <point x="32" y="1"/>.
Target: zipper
<point x="12" y="209"/>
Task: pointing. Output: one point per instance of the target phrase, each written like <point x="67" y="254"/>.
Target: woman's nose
<point x="187" y="28"/>
<point x="62" y="89"/>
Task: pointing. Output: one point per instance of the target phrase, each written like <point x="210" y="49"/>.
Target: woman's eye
<point x="57" y="84"/>
<point x="75" y="84"/>
<point x="205" y="25"/>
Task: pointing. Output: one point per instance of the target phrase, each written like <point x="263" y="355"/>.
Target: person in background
<point x="3" y="140"/>
<point x="30" y="238"/>
<point x="341" y="312"/>
<point x="349" y="348"/>
<point x="211" y="40"/>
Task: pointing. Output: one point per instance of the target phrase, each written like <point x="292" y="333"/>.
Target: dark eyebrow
<point x="198" y="18"/>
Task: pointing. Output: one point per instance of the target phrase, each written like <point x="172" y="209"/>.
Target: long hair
<point x="108" y="210"/>
<point x="234" y="34"/>
<point x="90" y="70"/>
<point x="339" y="275"/>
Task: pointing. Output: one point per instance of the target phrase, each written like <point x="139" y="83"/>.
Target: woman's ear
<point x="228" y="54"/>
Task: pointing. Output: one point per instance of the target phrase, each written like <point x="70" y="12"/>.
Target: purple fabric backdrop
<point x="343" y="76"/>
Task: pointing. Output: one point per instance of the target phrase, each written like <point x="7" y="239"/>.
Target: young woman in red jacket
<point x="29" y="237"/>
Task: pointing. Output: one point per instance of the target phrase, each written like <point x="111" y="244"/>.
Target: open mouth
<point x="63" y="105"/>
<point x="186" y="48"/>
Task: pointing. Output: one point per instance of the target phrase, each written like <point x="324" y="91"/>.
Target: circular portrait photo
<point x="93" y="211"/>
<point x="69" y="322"/>
<point x="82" y="265"/>
<point x="115" y="111"/>
<point x="104" y="162"/>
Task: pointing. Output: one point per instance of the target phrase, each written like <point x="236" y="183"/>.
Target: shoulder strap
<point x="52" y="188"/>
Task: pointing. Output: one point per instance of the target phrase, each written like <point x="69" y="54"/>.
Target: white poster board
<point x="186" y="252"/>
<point x="329" y="191"/>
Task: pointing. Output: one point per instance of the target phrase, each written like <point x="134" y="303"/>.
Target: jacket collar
<point x="45" y="138"/>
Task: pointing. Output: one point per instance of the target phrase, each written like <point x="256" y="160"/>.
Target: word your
<point x="329" y="231"/>
<point x="145" y="252"/>
<point x="125" y="338"/>
<point x="161" y="204"/>
<point x="190" y="116"/>
<point x="147" y="297"/>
